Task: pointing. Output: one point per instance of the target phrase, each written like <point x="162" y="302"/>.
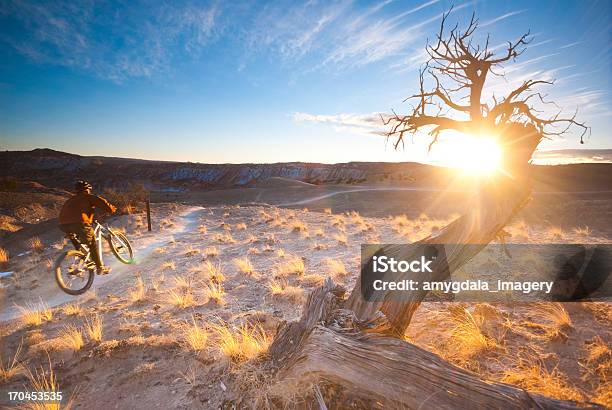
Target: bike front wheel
<point x="121" y="247"/>
<point x="73" y="272"/>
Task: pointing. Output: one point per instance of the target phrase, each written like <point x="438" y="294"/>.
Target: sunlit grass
<point x="299" y="226"/>
<point x="213" y="271"/>
<point x="72" y="309"/>
<point x="533" y="376"/>
<point x="46" y="381"/>
<point x="335" y="267"/>
<point x="244" y="265"/>
<point x="215" y="292"/>
<point x="93" y="328"/>
<point x="139" y="292"/>
<point x="71" y="338"/>
<point x="194" y="336"/>
<point x="211" y="252"/>
<point x="180" y="297"/>
<point x="281" y="288"/>
<point x="35" y="244"/>
<point x="35" y="314"/>
<point x="240" y="344"/>
<point x="293" y="265"/>
<point x="4" y="257"/>
<point x="11" y="367"/>
<point x="341" y="238"/>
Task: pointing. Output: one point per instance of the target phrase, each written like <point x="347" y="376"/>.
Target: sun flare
<point x="474" y="155"/>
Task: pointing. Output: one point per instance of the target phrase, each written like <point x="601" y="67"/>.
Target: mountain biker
<point x="76" y="217"/>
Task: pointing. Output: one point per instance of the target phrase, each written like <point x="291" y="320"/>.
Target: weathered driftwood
<point x="330" y="344"/>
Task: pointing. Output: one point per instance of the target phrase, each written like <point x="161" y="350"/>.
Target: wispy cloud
<point x="502" y="17"/>
<point x="575" y="43"/>
<point x="133" y="41"/>
<point x="340" y="35"/>
<point x="356" y="123"/>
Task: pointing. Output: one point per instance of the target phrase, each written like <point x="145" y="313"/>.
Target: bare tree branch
<point x="464" y="68"/>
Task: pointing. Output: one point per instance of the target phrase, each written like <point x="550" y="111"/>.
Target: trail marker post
<point x="149" y="212"/>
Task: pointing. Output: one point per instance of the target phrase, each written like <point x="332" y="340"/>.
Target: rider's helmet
<point x="82" y="186"/>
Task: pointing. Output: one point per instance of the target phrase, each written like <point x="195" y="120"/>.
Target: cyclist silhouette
<point x="76" y="218"/>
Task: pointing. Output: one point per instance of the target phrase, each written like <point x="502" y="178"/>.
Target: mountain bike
<point x="75" y="268"/>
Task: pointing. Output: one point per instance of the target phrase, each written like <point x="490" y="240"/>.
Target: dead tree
<point x="358" y="344"/>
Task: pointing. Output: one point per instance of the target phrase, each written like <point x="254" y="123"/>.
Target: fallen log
<point x="329" y="343"/>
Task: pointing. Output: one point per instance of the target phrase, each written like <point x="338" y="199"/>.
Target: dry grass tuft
<point x="182" y="282"/>
<point x="45" y="381"/>
<point x="214" y="291"/>
<point x="191" y="251"/>
<point x="313" y="279"/>
<point x="338" y="221"/>
<point x="319" y="232"/>
<point x="299" y="226"/>
<point x="327" y="211"/>
<point x="341" y="238"/>
<point x="181" y="297"/>
<point x="598" y="361"/>
<point x="280" y="253"/>
<point x="169" y="265"/>
<point x="244" y="265"/>
<point x="533" y="376"/>
<point x="290" y="266"/>
<point x="214" y="272"/>
<point x="72" y="309"/>
<point x="224" y="238"/>
<point x="194" y="336"/>
<point x="70" y="337"/>
<point x="356" y="219"/>
<point x="555" y="232"/>
<point x="241" y="226"/>
<point x="582" y="231"/>
<point x="318" y="246"/>
<point x="468" y="338"/>
<point x="241" y="344"/>
<point x="554" y="313"/>
<point x="93" y="328"/>
<point x="157" y="281"/>
<point x="139" y="293"/>
<point x="12" y="367"/>
<point x="401" y="221"/>
<point x="281" y="288"/>
<point x="34" y="315"/>
<point x="4" y="257"/>
<point x="211" y="252"/>
<point x="35" y="244"/>
<point x="166" y="223"/>
<point x="335" y="267"/>
<point x="203" y="229"/>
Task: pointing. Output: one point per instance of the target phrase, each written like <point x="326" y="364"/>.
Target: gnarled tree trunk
<point x="359" y="345"/>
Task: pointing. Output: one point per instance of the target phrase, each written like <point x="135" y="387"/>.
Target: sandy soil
<point x="144" y="358"/>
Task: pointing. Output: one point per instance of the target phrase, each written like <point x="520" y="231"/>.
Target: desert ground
<point x="188" y="325"/>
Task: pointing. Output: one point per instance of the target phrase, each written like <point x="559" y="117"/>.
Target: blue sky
<point x="267" y="82"/>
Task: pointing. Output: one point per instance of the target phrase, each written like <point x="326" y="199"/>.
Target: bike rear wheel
<point x="121" y="247"/>
<point x="73" y="272"/>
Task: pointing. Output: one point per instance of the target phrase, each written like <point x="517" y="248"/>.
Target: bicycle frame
<point x="99" y="231"/>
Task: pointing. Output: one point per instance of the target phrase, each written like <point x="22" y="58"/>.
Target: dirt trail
<point x="143" y="247"/>
<point x="420" y="189"/>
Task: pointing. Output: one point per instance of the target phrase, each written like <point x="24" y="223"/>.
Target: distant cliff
<point x="58" y="170"/>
